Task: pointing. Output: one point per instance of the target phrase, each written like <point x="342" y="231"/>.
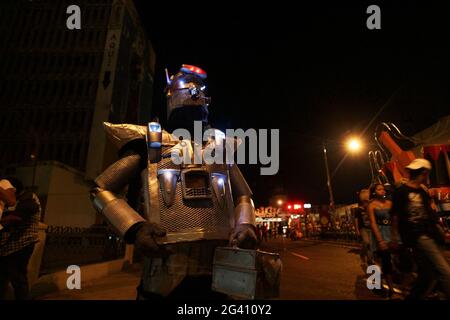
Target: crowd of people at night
<point x="399" y="230"/>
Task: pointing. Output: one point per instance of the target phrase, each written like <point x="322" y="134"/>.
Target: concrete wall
<point x="89" y="273"/>
<point x="68" y="202"/>
<point x="42" y="177"/>
<point x="64" y="194"/>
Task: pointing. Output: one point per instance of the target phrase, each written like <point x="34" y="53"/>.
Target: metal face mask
<point x="186" y="88"/>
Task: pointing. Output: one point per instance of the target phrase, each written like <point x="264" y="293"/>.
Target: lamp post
<point x="330" y="189"/>
<point x="353" y="145"/>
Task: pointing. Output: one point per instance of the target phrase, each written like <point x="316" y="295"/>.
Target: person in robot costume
<point x="175" y="214"/>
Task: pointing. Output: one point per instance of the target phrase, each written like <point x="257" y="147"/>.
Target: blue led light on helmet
<point x="154" y="137"/>
<point x="154" y="127"/>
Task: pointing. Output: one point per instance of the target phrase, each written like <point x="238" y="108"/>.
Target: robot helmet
<point x="187" y="89"/>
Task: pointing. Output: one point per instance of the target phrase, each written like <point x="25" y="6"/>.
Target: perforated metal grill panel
<point x="167" y="164"/>
<point x="192" y="216"/>
<point x="197" y="192"/>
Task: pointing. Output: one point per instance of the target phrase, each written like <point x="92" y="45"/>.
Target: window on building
<point x="37" y="90"/>
<point x="95" y="16"/>
<point x="27" y="88"/>
<point x="43" y="40"/>
<point x="19" y="91"/>
<point x="2" y="88"/>
<point x="87" y="88"/>
<point x="82" y="159"/>
<point x="50" y="14"/>
<point x="49" y="152"/>
<point x="71" y="88"/>
<point x="37" y="17"/>
<point x="51" y="64"/>
<point x="33" y="15"/>
<point x="84" y="62"/>
<point x="97" y="38"/>
<point x="90" y="38"/>
<point x="76" y="154"/>
<point x="101" y="18"/>
<point x="66" y="39"/>
<point x="33" y="66"/>
<point x="62" y="92"/>
<point x="76" y="62"/>
<point x="60" y="63"/>
<point x="54" y="88"/>
<point x="40" y="150"/>
<point x="45" y="89"/>
<point x="32" y="91"/>
<point x="57" y="43"/>
<point x="93" y="61"/>
<point x="44" y="65"/>
<point x="80" y="88"/>
<point x="75" y="39"/>
<point x="32" y="39"/>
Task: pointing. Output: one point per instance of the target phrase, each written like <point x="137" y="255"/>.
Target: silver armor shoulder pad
<point x="168" y="139"/>
<point x="121" y="134"/>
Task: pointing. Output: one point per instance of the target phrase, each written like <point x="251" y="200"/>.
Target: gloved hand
<point x="244" y="236"/>
<point x="146" y="240"/>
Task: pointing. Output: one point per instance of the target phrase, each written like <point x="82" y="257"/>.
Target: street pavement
<point x="119" y="286"/>
<point x="312" y="270"/>
<point x="315" y="270"/>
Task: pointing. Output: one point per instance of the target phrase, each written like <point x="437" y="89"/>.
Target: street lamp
<point x="354" y="145"/>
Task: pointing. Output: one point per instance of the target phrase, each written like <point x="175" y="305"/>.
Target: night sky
<point x="316" y="73"/>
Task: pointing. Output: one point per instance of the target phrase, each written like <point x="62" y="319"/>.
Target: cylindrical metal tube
<point x="117" y="212"/>
<point x="238" y="184"/>
<point x="244" y="211"/>
<point x="117" y="175"/>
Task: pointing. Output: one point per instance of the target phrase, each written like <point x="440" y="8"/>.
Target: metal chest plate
<point x="209" y="218"/>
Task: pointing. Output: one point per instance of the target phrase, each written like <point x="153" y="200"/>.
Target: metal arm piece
<point x="244" y="211"/>
<point x="116" y="210"/>
<point x="238" y="183"/>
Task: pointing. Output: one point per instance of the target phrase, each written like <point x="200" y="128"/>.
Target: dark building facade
<point x="57" y="85"/>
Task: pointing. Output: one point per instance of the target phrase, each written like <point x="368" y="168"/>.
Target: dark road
<point x="311" y="271"/>
<point x="314" y="270"/>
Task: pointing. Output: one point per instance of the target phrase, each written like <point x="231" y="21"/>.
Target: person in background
<point x="259" y="233"/>
<point x="362" y="229"/>
<point x="280" y="230"/>
<point x="380" y="222"/>
<point x="7" y="196"/>
<point x="264" y="232"/>
<point x="17" y="243"/>
<point x="415" y="222"/>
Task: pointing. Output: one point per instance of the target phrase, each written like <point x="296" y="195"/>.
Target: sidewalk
<point x="118" y="286"/>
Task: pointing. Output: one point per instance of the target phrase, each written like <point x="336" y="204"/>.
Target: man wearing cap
<point x="415" y="221"/>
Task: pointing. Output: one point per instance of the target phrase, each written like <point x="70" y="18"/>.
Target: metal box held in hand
<point x="246" y="274"/>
